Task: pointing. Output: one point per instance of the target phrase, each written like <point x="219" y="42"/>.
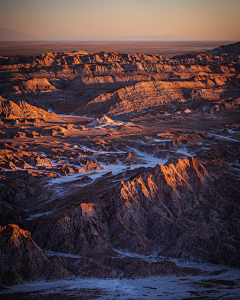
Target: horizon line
<point x="120" y="41"/>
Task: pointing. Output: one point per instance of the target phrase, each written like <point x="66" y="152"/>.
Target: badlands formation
<point x="118" y="166"/>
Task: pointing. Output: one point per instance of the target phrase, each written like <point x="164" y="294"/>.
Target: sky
<point x="115" y="20"/>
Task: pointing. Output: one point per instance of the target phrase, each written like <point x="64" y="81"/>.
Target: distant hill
<point x="10" y="35"/>
<point x="232" y="48"/>
<point x="7" y="34"/>
<point x="60" y="35"/>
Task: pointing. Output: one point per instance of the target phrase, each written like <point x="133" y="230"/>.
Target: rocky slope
<point x="20" y="110"/>
<point x="177" y="210"/>
<point x="189" y="210"/>
<point x="22" y="260"/>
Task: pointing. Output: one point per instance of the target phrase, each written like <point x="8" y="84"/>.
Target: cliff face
<point x="142" y="95"/>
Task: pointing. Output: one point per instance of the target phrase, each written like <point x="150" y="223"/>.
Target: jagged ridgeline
<point x="188" y="210"/>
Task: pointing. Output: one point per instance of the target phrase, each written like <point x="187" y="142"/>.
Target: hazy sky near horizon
<point x="125" y="19"/>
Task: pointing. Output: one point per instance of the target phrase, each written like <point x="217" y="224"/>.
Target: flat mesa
<point x="120" y="175"/>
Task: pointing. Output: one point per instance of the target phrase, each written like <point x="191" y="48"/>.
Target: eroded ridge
<point x="173" y="211"/>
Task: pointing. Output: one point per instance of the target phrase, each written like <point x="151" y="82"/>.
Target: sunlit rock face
<point x="20" y="110"/>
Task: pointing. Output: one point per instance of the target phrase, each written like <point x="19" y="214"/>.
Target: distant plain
<point x="166" y="49"/>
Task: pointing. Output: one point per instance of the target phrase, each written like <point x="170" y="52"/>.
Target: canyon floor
<point x="120" y="176"/>
<point x="219" y="283"/>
